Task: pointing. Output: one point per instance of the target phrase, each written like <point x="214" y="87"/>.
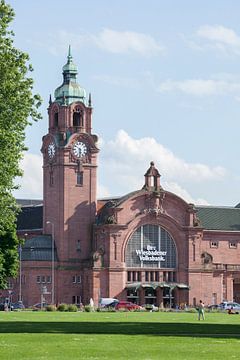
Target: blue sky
<point x="165" y="84"/>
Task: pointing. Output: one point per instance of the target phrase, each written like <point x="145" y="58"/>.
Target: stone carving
<point x="196" y="221"/>
<point x="98" y="257"/>
<point x="111" y="219"/>
<point x="207" y="259"/>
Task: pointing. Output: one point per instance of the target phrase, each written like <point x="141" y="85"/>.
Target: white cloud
<point x="116" y="42"/>
<point x="125" y="159"/>
<point x="31" y="182"/>
<point x="220" y="35"/>
<point x="102" y="191"/>
<point x="123" y="162"/>
<point x="200" y="87"/>
<point x="130" y="150"/>
<point x="214" y="37"/>
<point x="183" y="193"/>
<point x="122" y="42"/>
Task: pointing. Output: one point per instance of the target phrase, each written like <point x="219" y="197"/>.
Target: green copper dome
<point x="70" y="91"/>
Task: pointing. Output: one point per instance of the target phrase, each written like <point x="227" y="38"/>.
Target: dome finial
<point x="69" y="53"/>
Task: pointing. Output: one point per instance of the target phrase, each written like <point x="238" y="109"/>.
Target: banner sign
<point x="151" y="254"/>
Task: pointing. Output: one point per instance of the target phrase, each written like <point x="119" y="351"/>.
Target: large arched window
<point x="151" y="246"/>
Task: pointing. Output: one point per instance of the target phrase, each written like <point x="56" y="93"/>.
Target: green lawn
<point x="58" y="336"/>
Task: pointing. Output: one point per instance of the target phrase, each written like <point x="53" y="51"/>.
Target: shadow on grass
<point x="200" y="329"/>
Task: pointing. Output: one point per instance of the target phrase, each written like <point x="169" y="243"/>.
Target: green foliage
<point x="8" y="256"/>
<point x="51" y="308"/>
<point x="17" y="106"/>
<point x="72" y="308"/>
<point x="62" y="307"/>
<point x="106" y="309"/>
<point x="87" y="308"/>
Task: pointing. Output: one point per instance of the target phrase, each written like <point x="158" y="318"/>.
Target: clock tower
<point x="70" y="175"/>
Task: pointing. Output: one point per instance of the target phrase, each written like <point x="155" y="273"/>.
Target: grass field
<point x="132" y="335"/>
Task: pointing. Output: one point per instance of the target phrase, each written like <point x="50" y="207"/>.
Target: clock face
<point x="51" y="150"/>
<point x="79" y="149"/>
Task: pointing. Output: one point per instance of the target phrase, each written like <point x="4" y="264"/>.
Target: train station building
<point x="148" y="246"/>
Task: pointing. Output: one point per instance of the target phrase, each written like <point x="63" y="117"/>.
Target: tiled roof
<point x="219" y="218"/>
<point x="211" y="217"/>
<point x="38" y="248"/>
<point x="29" y="202"/>
<point x="30" y="218"/>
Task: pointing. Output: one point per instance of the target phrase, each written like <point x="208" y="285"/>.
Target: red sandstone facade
<point x="100" y="247"/>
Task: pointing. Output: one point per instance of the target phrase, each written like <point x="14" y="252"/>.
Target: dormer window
<point x="214" y="244"/>
<point x="232" y="244"/>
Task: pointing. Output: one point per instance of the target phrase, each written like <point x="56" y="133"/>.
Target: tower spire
<point x="70" y="90"/>
<point x="90" y="100"/>
<point x="69" y="54"/>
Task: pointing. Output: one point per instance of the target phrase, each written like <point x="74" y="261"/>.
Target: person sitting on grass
<point x="231" y="312"/>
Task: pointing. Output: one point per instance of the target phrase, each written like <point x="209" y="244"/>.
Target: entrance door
<point x="132" y="296"/>
<point x="150" y="296"/>
<point x="168" y="297"/>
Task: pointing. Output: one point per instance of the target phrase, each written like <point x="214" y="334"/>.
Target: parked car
<point x="39" y="306"/>
<point x="17" y="306"/>
<point x="213" y="307"/>
<point x="108" y="302"/>
<point x="127" y="305"/>
<point x="226" y="305"/>
<point x="150" y="307"/>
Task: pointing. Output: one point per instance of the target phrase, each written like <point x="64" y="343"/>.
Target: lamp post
<point x="52" y="225"/>
<point x="20" y="273"/>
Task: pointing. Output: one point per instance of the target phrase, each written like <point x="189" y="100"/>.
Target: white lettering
<point x="151" y="254"/>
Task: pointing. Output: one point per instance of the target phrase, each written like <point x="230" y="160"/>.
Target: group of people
<point x="201" y="314"/>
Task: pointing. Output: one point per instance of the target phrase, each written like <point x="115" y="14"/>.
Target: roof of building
<point x="29" y="202"/>
<point x="38" y="248"/>
<point x="219" y="218"/>
<point x="30" y="217"/>
<point x="211" y="217"/>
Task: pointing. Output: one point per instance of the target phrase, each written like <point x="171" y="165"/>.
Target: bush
<point x="122" y="309"/>
<point x="106" y="309"/>
<point x="87" y="308"/>
<point x="72" y="308"/>
<point x="192" y="310"/>
<point x="51" y="308"/>
<point x="62" y="307"/>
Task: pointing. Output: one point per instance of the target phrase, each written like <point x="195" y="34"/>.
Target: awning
<point x="133" y="286"/>
<point x="154" y="285"/>
<point x="183" y="286"/>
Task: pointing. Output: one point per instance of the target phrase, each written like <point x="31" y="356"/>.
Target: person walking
<point x="201" y="311"/>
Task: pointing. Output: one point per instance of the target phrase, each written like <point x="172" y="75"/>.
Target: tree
<point x="18" y="107"/>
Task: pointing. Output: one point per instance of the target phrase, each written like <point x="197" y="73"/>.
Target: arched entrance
<point x="151" y="261"/>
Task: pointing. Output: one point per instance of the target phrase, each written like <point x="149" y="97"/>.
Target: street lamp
<point x="20" y="268"/>
<point x="52" y="225"/>
<point x="20" y="272"/>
